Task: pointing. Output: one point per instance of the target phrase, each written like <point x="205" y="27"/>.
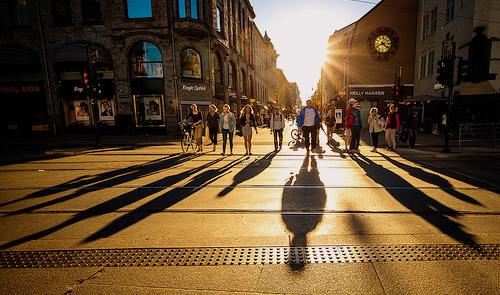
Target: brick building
<point x="154" y="58"/>
<point x="365" y="58"/>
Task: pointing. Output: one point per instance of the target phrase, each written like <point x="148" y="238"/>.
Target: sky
<point x="299" y="30"/>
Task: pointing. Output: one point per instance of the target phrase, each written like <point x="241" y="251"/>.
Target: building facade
<point x="439" y="20"/>
<point x="153" y="59"/>
<point x="367" y="58"/>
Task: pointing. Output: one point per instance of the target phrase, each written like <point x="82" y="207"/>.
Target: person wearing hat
<point x="277" y="124"/>
<point x="309" y="122"/>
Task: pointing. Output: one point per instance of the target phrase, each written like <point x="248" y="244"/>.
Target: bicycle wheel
<point x="185" y="142"/>
<point x="295" y="134"/>
<point x="194" y="145"/>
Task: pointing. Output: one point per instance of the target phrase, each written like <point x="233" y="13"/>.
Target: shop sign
<point x="367" y="92"/>
<point x="195" y="88"/>
<point x="20" y="89"/>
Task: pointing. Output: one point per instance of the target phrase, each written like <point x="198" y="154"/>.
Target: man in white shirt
<point x="309" y="121"/>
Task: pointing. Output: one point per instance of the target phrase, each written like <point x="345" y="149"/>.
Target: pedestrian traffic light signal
<point x="85" y="78"/>
<point x="463" y="71"/>
<point x="444" y="72"/>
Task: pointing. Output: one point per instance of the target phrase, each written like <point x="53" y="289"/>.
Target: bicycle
<point x="187" y="139"/>
<point x="296" y="134"/>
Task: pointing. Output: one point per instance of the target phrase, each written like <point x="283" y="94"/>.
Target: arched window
<point x="191" y="63"/>
<point x="146" y="61"/>
<point x="218" y="69"/>
<point x="231" y="76"/>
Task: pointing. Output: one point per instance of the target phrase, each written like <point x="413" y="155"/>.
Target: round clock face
<point x="383" y="43"/>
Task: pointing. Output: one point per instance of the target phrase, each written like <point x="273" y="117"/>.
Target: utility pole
<point x="445" y="77"/>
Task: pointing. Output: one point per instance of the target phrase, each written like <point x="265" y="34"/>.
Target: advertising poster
<point x="106" y="110"/>
<point x="338" y="116"/>
<point x="152" y="107"/>
<point x="82" y="110"/>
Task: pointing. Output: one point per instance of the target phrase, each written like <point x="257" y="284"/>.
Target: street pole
<point x="91" y="60"/>
<point x="449" y="48"/>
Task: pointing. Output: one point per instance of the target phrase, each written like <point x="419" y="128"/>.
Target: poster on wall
<point x="82" y="110"/>
<point x="152" y="107"/>
<point x="106" y="110"/>
<point x="338" y="116"/>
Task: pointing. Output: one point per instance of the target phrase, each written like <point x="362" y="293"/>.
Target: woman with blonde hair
<point x="375" y="126"/>
<point x="227" y="126"/>
<point x="247" y="121"/>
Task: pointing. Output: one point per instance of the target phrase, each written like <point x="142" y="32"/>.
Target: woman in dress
<point x="247" y="121"/>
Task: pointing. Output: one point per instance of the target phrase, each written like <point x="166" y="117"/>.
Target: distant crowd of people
<point x="309" y="121"/>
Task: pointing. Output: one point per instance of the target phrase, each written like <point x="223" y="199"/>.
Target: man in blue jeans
<point x="309" y="122"/>
<point x="356" y="126"/>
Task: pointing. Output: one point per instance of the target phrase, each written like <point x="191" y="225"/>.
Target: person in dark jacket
<point x="413" y="124"/>
<point x="309" y="122"/>
<point x="213" y="123"/>
<point x="356" y="128"/>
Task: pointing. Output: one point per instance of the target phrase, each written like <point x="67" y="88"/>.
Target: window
<point x="194" y="9"/>
<point x="218" y="69"/>
<point x="425" y="27"/>
<point x="430" y="64"/>
<point x="181" y="5"/>
<point x="190" y="8"/>
<point x="191" y="64"/>
<point x="422" y="66"/>
<point x="20" y="14"/>
<point x="139" y="9"/>
<point x="146" y="61"/>
<point x="450" y="10"/>
<point x="434" y="19"/>
<point x="91" y="10"/>
<point x="231" y="76"/>
<point x="61" y="12"/>
<point x="219" y="18"/>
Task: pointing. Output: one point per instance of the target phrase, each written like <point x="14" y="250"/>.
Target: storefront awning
<point x="424" y="98"/>
<point x="481" y="88"/>
<point x="77" y="52"/>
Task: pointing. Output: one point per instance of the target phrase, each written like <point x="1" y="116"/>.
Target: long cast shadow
<point x="164" y="201"/>
<point x="253" y="169"/>
<point x="115" y="204"/>
<point x="100" y="181"/>
<point x="415" y="200"/>
<point x="303" y="192"/>
<point x="432" y="178"/>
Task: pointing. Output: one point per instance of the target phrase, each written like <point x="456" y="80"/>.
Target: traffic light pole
<point x="450" y="55"/>
<point x="92" y="56"/>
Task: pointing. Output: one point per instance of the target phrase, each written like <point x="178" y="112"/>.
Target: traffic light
<point x="444" y="72"/>
<point x="396" y="91"/>
<point x="85" y="78"/>
<point x="463" y="71"/>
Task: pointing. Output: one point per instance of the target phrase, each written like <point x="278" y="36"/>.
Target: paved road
<point x="273" y="223"/>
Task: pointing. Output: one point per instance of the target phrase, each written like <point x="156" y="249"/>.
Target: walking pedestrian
<point x="356" y="127"/>
<point x="227" y="126"/>
<point x="247" y="121"/>
<point x="213" y="123"/>
<point x="197" y="119"/>
<point x="331" y="125"/>
<point x="308" y="121"/>
<point x="391" y="126"/>
<point x="375" y="126"/>
<point x="413" y="125"/>
<point x="349" y="120"/>
<point x="277" y="124"/>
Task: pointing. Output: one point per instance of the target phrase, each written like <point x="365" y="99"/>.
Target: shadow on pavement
<point x="432" y="178"/>
<point x="86" y="184"/>
<point x="121" y="201"/>
<point x="415" y="200"/>
<point x="303" y="192"/>
<point x="253" y="169"/>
